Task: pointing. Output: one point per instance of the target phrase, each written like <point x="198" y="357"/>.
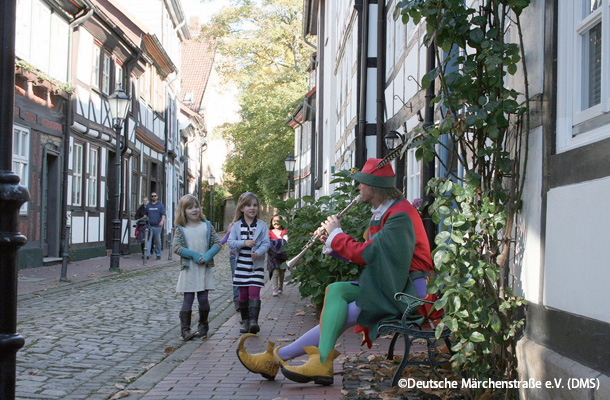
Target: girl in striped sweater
<point x="250" y="238"/>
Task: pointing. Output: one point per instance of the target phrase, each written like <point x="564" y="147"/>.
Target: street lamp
<point x="119" y="107"/>
<point x="211" y="181"/>
<point x="12" y="196"/>
<point x="290" y="163"/>
<point x="393" y="139"/>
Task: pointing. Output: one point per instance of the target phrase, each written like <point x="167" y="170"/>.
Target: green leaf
<point x="477" y="337"/>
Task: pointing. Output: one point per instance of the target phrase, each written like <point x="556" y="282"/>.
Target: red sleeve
<point x="349" y="248"/>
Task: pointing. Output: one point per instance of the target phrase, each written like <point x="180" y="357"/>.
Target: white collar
<point x="383" y="207"/>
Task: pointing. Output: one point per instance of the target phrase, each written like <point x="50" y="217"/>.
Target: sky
<point x="202" y="8"/>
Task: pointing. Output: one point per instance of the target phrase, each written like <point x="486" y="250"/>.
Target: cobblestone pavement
<point x="89" y="341"/>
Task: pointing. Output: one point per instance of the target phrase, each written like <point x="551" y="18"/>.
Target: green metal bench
<point x="411" y="332"/>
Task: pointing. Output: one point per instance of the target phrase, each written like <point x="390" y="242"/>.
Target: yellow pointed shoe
<point x="312" y="370"/>
<point x="260" y="363"/>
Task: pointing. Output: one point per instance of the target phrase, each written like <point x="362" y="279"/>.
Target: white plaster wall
<point x="577" y="266"/>
<point x="528" y="249"/>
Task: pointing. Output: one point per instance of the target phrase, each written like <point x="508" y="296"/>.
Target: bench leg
<point x="405" y="358"/>
<point x="391" y="348"/>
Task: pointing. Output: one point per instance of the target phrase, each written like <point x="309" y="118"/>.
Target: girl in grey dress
<point x="196" y="242"/>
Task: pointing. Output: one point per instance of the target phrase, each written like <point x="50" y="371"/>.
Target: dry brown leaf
<point x="34" y="372"/>
<point x="300" y="313"/>
<point x="344" y="392"/>
<point x="290" y="333"/>
<point x="383" y="371"/>
<point x="375" y="357"/>
<point x="149" y="366"/>
<point x="119" y="386"/>
<point x="284" y="340"/>
<point x="169" y="350"/>
<point x="364" y="366"/>
<point x="130" y="378"/>
<point x="120" y="395"/>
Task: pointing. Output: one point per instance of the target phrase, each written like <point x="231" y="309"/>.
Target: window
<point x="93" y="179"/>
<point x="77" y="174"/>
<point x="106" y="74"/>
<point x="21" y="156"/>
<point x="42" y="38"/>
<point x="118" y="76"/>
<point x="583" y="66"/>
<point x="95" y="66"/>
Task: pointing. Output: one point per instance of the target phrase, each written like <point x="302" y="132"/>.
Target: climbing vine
<point x="481" y="126"/>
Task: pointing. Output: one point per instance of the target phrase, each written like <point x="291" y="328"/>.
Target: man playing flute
<point x="397" y="258"/>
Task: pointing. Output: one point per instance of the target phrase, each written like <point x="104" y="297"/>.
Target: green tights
<point x="335" y="314"/>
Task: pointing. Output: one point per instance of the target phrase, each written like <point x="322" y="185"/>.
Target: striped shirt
<point x="245" y="274"/>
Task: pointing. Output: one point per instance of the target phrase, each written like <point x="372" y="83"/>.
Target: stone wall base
<point x="561" y="378"/>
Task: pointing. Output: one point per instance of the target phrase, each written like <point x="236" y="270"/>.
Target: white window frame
<point x="118" y="76"/>
<point x="95" y="65"/>
<point x="77" y="174"/>
<point x="93" y="178"/>
<point x="21" y="159"/>
<point x="577" y="127"/>
<point x="106" y="67"/>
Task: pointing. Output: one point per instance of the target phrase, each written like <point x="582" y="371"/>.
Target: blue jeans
<point x="155" y="234"/>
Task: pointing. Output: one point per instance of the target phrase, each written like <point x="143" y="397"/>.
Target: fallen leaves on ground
<point x="149" y="366"/>
<point x="169" y="350"/>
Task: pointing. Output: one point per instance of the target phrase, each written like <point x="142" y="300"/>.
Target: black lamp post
<point x="211" y="182"/>
<point x="119" y="107"/>
<point x="290" y="163"/>
<point x="12" y="196"/>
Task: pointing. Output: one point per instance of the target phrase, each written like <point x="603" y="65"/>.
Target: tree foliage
<point x="483" y="124"/>
<point x="263" y="54"/>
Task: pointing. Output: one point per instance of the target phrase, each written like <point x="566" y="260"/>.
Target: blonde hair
<point x="246" y="199"/>
<point x="187" y="201"/>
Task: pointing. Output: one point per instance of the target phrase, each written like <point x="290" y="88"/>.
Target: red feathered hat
<point x="373" y="176"/>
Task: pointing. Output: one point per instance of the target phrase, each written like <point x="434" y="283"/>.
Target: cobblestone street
<point x="89" y="341"/>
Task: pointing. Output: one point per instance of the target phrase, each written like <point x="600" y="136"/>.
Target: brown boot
<point x="313" y="369"/>
<point x="260" y="363"/>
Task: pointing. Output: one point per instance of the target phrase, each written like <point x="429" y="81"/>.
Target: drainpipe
<point x="306" y="7"/>
<point x="380" y="77"/>
<point x="428" y="170"/>
<point x="67" y="133"/>
<point x="362" y="8"/>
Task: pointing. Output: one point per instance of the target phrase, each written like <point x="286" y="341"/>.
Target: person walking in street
<point x="155" y="210"/>
<point x="141" y="224"/>
<point x="397" y="259"/>
<point x="196" y="242"/>
<point x="276" y="256"/>
<point x="250" y="238"/>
